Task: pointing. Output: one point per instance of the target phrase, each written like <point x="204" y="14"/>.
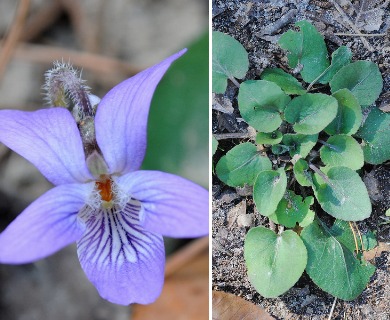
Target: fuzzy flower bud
<point x="65" y="88"/>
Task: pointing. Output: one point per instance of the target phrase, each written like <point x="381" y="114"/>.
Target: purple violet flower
<point x="116" y="212"/>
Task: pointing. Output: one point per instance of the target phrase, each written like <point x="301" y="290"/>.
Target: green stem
<point x="316" y="79"/>
<point x="235" y="82"/>
<point x="322" y="175"/>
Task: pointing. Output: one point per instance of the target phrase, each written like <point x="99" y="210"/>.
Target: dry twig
<point x="331" y="310"/>
<point x="280" y="23"/>
<point x="14" y="34"/>
<point x="41" y="20"/>
<point x="362" y="10"/>
<point x="94" y="62"/>
<point x="250" y="134"/>
<point x="354" y="237"/>
<point x="351" y="24"/>
<point x="234" y="135"/>
<point x="361" y="34"/>
<point x="359" y="13"/>
<point x="360" y="236"/>
<point x="185" y="255"/>
<point x="86" y="30"/>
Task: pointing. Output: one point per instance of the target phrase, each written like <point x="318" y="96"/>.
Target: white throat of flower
<point x="106" y="194"/>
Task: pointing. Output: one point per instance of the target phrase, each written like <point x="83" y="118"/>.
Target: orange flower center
<point x="104" y="185"/>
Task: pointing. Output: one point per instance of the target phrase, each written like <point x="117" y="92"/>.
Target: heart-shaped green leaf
<point x="302" y="173"/>
<point x="332" y="266"/>
<point x="307" y="48"/>
<point x="268" y="190"/>
<point x="230" y="60"/>
<point x="311" y="113"/>
<point x="349" y="114"/>
<point x="292" y="209"/>
<point x="342" y="150"/>
<point x="274" y="262"/>
<point x="241" y="165"/>
<point x="269" y="138"/>
<point x="341" y="57"/>
<point x="261" y="103"/>
<point x="299" y="143"/>
<point x="362" y="78"/>
<point x="375" y="133"/>
<point x="343" y="194"/>
<point x="284" y="80"/>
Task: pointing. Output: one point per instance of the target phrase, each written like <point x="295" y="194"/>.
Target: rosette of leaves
<point x="326" y="142"/>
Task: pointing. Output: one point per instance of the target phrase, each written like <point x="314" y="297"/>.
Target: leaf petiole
<point x="235" y="82"/>
<point x="321" y="174"/>
<point x="330" y="146"/>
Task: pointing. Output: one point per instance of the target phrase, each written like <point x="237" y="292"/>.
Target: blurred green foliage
<point x="178" y="128"/>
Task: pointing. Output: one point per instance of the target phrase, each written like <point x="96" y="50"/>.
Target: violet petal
<point x="121" y="118"/>
<point x="49" y="139"/>
<point x="47" y="225"/>
<point x="122" y="260"/>
<point x="172" y="206"/>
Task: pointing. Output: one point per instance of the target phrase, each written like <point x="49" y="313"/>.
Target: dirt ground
<point x="257" y="25"/>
